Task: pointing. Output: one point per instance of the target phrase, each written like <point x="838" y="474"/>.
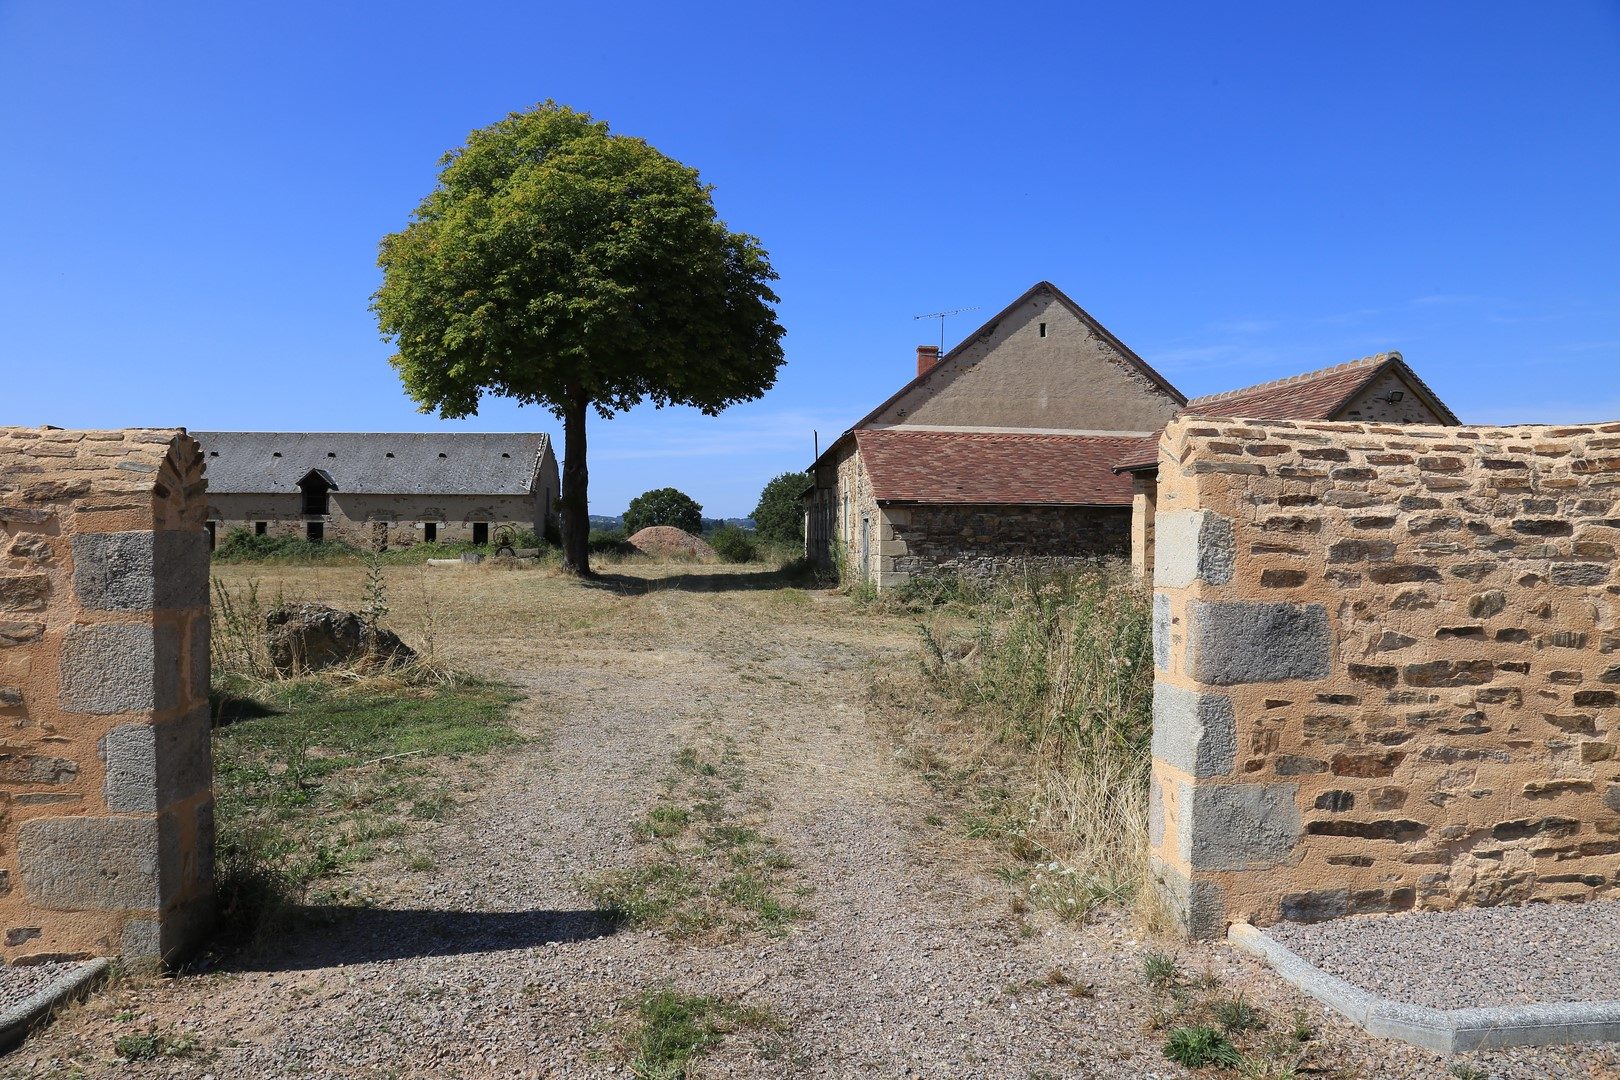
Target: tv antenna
<point x="942" y="316"/>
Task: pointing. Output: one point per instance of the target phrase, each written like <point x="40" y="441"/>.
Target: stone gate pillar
<point x="106" y="774"/>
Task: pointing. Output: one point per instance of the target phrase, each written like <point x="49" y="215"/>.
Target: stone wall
<point x="106" y="805"/>
<point x="1388" y="668"/>
<point x="982" y="541"/>
<point x="380" y="522"/>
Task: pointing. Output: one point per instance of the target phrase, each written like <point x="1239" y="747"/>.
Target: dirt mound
<point x="668" y="540"/>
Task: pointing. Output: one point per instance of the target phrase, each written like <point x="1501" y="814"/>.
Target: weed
<point x="1201" y="1047"/>
<point x="1160" y="970"/>
<point x="1236" y="1015"/>
<point x="675" y="1028"/>
<point x="1465" y="1071"/>
<point x="421" y="862"/>
<point x="1302" y="1032"/>
<point x="150" y="1046"/>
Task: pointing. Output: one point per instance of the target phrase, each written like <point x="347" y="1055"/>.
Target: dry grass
<point x="1032" y="713"/>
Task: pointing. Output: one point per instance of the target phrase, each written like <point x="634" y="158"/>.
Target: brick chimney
<point x="927" y="357"/>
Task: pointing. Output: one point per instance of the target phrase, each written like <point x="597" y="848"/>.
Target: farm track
<point x="493" y="964"/>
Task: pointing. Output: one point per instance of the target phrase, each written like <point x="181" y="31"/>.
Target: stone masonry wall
<point x="106" y="806"/>
<point x="380" y="522"/>
<point x="1388" y="668"/>
<point x="982" y="541"/>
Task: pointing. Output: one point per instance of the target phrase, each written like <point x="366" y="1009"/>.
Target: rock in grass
<point x="315" y="637"/>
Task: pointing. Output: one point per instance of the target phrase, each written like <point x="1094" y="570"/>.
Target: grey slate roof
<point x="373" y="463"/>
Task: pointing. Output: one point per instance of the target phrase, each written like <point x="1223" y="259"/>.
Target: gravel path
<point x="493" y="964"/>
<point x="1478" y="957"/>
<point x="17" y="984"/>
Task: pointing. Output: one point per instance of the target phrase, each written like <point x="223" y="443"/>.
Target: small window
<point x="213" y="453"/>
<point x="480" y="532"/>
<point x="213" y="534"/>
<point x="260" y="528"/>
<point x="1043" y="329"/>
<point x="430" y="531"/>
<point x="315" y="531"/>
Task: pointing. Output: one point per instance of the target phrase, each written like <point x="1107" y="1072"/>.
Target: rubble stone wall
<point x="1388" y="668"/>
<point x="106" y="773"/>
<point x="984" y="541"/>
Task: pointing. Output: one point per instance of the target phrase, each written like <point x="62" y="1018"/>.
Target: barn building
<point x="1034" y="442"/>
<point x="380" y="490"/>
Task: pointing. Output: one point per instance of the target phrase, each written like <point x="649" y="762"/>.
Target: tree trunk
<point x="576" y="521"/>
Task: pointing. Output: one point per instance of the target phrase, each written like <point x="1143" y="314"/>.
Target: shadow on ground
<point x="329" y="936"/>
<point x="755" y="581"/>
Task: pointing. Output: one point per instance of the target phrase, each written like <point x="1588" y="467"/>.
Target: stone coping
<point x="1445" y="1031"/>
<point x="17" y="1021"/>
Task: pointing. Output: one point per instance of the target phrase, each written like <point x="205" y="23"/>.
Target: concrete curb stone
<point x="1445" y="1031"/>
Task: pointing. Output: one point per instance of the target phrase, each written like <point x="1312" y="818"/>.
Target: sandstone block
<point x="1198" y="906"/>
<point x="1193" y="545"/>
<point x="1238" y="826"/>
<point x="24" y="592"/>
<point x="1197" y="733"/>
<point x="120" y="667"/>
<point x="137" y="571"/>
<point x="1243" y="642"/>
<point x="90" y="864"/>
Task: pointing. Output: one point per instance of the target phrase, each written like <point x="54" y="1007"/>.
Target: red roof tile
<point x="983" y="468"/>
<point x="1315" y="395"/>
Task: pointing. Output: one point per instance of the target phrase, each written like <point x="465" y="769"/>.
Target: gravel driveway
<point x="493" y="965"/>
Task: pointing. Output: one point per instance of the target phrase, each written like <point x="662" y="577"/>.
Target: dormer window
<point x="317" y="487"/>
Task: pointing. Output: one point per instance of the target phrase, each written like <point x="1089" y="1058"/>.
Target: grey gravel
<point x="1471" y="958"/>
<point x="17" y="984"/>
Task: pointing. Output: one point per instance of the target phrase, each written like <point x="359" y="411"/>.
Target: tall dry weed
<point x="1056" y="672"/>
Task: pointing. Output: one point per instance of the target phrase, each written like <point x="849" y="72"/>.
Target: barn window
<point x="213" y="534"/>
<point x="316" y="488"/>
<point x="480" y="532"/>
<point x="260" y="528"/>
<point x="315" y="531"/>
<point x="430" y="531"/>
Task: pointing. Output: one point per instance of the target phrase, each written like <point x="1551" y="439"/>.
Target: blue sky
<point x="193" y="194"/>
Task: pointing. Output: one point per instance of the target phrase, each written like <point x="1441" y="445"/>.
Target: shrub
<point x="779" y="517"/>
<point x="663" y="506"/>
<point x="732" y="544"/>
<point x="610" y="542"/>
<point x="240" y="545"/>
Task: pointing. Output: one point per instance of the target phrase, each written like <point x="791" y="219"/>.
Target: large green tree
<point x="780" y="513"/>
<point x="663" y="506"/>
<point x="561" y="265"/>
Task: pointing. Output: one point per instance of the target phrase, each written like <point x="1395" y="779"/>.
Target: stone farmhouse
<point x="379" y="490"/>
<point x="1035" y="441"/>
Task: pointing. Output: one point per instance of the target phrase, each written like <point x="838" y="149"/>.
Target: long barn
<point x="380" y="490"/>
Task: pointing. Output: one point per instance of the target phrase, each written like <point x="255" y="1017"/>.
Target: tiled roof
<point x="373" y="463"/>
<point x="1009" y="469"/>
<point x="1143" y="455"/>
<point x="1315" y="395"/>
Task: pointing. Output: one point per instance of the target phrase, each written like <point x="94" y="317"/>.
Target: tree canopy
<point x="663" y="506"/>
<point x="559" y="264"/>
<point x="779" y="517"/>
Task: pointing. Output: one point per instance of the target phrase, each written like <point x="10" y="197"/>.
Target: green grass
<point x="705" y="873"/>
<point x="151" y="1046"/>
<point x="673" y="1029"/>
<point x="314" y="776"/>
<point x="1201" y="1047"/>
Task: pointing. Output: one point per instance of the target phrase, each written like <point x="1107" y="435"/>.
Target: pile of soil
<point x="667" y="540"/>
